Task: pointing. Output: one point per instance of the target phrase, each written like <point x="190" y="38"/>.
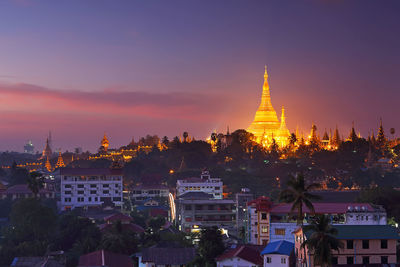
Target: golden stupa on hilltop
<point x="266" y="125"/>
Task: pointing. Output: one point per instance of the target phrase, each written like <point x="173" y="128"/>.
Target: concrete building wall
<point x="276" y="260"/>
<point x="235" y="262"/>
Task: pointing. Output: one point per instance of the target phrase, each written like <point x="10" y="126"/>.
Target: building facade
<point x="362" y="244"/>
<point x="87" y="188"/>
<point x="196" y="210"/>
<point x="258" y="224"/>
<point x="144" y="192"/>
<point x="204" y="184"/>
<point x="242" y="199"/>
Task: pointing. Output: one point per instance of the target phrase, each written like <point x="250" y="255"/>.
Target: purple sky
<point x="130" y="68"/>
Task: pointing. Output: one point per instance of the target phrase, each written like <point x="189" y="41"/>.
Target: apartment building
<point x="143" y="192"/>
<point x="87" y="187"/>
<point x="196" y="210"/>
<point x="204" y="183"/>
<point x="362" y="244"/>
<point x="258" y="221"/>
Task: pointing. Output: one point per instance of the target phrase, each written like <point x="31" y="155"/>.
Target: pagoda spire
<point x="60" y="161"/>
<point x="48" y="165"/>
<point x="266" y="96"/>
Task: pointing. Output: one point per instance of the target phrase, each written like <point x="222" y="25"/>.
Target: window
<point x="93" y="185"/>
<point x="264" y="229"/>
<point x="89" y="199"/>
<point x="384" y="244"/>
<point x="365" y="244"/>
<point x="269" y="260"/>
<point x="105" y="191"/>
<point x="384" y="259"/>
<point x="255" y="235"/>
<point x="116" y="199"/>
<point x="67" y="186"/>
<point x="106" y="185"/>
<point x="80" y="192"/>
<point x="349" y="244"/>
<point x="80" y="185"/>
<point x="280" y="231"/>
<point x="93" y="192"/>
<point x="217" y="188"/>
<point x="263" y="216"/>
<point x="334" y="260"/>
<point x="350" y="260"/>
<point x="283" y="260"/>
<point x="264" y="242"/>
<point x="188" y="207"/>
<point x="68" y="192"/>
<point x="67" y="199"/>
<point x="365" y="260"/>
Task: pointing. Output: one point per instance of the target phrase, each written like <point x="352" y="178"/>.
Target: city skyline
<point x="148" y="68"/>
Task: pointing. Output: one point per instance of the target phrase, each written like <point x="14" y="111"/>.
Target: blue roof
<point x="281" y="247"/>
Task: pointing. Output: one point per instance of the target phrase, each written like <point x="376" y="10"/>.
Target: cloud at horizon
<point x="28" y="111"/>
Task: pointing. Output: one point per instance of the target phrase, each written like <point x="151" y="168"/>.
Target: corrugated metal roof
<point x="281" y="247"/>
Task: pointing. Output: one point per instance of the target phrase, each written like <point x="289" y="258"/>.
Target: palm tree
<point x="35" y="182"/>
<point x="298" y="194"/>
<point x="322" y="240"/>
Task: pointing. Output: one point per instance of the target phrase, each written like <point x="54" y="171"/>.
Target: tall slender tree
<point x="322" y="240"/>
<point x="35" y="182"/>
<point x="298" y="194"/>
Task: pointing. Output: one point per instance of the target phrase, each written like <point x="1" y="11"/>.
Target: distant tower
<point x="60" y="161"/>
<point x="48" y="165"/>
<point x="104" y="143"/>
<point x="47" y="150"/>
<point x="29" y="148"/>
<point x="50" y="140"/>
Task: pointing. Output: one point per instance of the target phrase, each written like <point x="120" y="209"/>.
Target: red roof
<point x="23" y="189"/>
<point x="262" y="203"/>
<point x="130" y="227"/>
<point x="158" y="212"/>
<point x="331" y="208"/>
<point x="250" y="253"/>
<point x="118" y="217"/>
<point x="105" y="258"/>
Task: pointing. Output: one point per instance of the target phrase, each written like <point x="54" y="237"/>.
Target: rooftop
<point x="364" y="232"/>
<point x="281" y="247"/>
<point x="331" y="208"/>
<point x="249" y="253"/>
<point x="105" y="258"/>
<point x="168" y="255"/>
<point x="23" y="189"/>
<point x="117" y="217"/>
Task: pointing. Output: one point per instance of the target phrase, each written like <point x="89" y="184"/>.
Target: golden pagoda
<point x="48" y="165"/>
<point x="105" y="143"/>
<point x="60" y="161"/>
<point x="47" y="150"/>
<point x="266" y="125"/>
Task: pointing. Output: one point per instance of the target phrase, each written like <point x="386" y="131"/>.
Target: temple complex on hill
<point x="266" y="127"/>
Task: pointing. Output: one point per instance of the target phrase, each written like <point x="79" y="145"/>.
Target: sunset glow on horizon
<point x="83" y="69"/>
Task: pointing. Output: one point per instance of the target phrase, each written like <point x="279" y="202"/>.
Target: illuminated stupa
<point x="266" y="125"/>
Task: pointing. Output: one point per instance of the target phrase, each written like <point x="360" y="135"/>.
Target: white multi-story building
<point x="84" y="187"/>
<point x="268" y="222"/>
<point x="204" y="184"/>
<point x="143" y="192"/>
<point x="282" y="224"/>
